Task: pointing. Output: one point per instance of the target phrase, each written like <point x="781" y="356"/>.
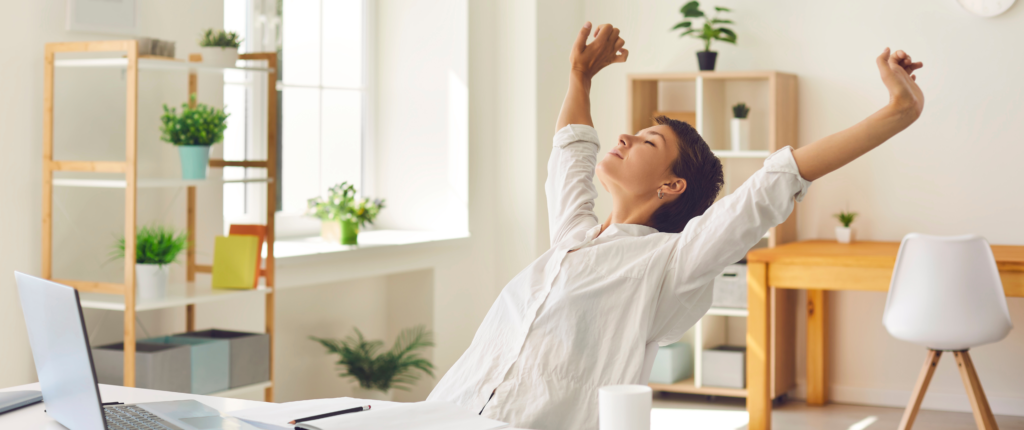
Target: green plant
<point x="740" y="110"/>
<point x="201" y="125"/>
<point x="706" y="32"/>
<point x="220" y="39"/>
<point x="846" y="217"/>
<point x="154" y="245"/>
<point x="394" y="368"/>
<point x="341" y="205"/>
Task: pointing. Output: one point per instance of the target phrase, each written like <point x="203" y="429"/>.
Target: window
<point x="322" y="103"/>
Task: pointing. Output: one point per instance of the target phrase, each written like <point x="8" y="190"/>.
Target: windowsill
<point x="293" y="249"/>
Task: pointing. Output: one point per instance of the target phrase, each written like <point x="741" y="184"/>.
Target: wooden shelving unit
<point x="704" y="100"/>
<point x="105" y="295"/>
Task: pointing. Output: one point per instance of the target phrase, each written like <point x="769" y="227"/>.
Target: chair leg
<point x="923" y="379"/>
<point x="979" y="404"/>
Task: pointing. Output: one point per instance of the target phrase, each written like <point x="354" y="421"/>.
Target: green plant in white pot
<point x="378" y="372"/>
<point x="740" y="127"/>
<point x="341" y="209"/>
<point x="156" y="247"/>
<point x="219" y="47"/>
<point x="710" y="29"/>
<point x="843" y="233"/>
<point x="193" y="131"/>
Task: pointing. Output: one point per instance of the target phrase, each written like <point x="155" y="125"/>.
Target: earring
<point x="660" y="194"/>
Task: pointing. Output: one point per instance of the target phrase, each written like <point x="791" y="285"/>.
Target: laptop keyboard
<point x="131" y="417"/>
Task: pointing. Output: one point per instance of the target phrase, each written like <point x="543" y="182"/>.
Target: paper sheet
<point x="409" y="416"/>
<point x="277" y="416"/>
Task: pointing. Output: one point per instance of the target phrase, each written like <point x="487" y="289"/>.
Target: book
<point x="233" y="264"/>
<point x="260" y="231"/>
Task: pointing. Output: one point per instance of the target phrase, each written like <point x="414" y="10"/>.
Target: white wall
<point x="955" y="171"/>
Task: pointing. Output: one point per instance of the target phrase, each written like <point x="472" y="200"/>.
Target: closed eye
<point x="652" y="143"/>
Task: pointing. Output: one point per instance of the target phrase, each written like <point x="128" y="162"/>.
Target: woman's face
<point x="638" y="165"/>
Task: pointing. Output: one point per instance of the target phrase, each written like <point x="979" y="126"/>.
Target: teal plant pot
<point x="349" y="233"/>
<point x="194" y="160"/>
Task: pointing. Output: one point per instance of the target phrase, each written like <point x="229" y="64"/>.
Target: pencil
<point x="331" y="414"/>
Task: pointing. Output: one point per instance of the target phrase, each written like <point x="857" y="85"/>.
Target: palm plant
<point x="154" y="245"/>
<point x="846" y="218"/>
<point x="708" y="31"/>
<point x="382" y="371"/>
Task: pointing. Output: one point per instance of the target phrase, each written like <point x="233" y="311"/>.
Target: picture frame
<point x="103" y="16"/>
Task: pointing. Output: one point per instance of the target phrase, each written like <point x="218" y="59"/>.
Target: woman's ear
<point x="675" y="186"/>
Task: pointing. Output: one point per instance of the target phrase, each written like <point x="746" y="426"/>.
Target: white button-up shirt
<point x="570" y="323"/>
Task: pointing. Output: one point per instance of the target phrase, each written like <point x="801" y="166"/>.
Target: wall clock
<point x="986" y="8"/>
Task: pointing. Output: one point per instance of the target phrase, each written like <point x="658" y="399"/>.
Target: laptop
<point x="67" y="377"/>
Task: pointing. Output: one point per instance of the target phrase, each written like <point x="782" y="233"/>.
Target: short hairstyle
<point x="702" y="172"/>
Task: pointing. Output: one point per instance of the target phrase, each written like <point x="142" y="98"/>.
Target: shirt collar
<point x="615" y="231"/>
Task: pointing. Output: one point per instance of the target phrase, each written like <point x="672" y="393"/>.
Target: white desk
<point x="32" y="417"/>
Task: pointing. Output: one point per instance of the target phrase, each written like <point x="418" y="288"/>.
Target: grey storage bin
<point x="157" y="367"/>
<point x="210" y="360"/>
<point x="731" y="287"/>
<point x="673" y="363"/>
<point x="249" y="355"/>
<point x="724" y="366"/>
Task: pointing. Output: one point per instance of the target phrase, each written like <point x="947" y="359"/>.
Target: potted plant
<point x="155" y="248"/>
<point x="341" y="208"/>
<point x="706" y="32"/>
<point x="193" y="132"/>
<point x="843" y="233"/>
<point x="740" y="127"/>
<point x="377" y="373"/>
<point x="219" y="47"/>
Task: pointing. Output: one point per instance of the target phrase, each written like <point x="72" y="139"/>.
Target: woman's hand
<point x="606" y="49"/>
<point x="897" y="75"/>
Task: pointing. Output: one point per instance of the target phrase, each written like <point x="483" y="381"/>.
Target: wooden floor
<point x="680" y="411"/>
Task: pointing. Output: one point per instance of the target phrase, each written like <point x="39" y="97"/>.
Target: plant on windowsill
<point x="341" y="208"/>
<point x="377" y="373"/>
<point x="219" y="47"/>
<point x="193" y="132"/>
<point x="155" y="248"/>
<point x="844" y="234"/>
<point x="706" y="31"/>
<point x="740" y="127"/>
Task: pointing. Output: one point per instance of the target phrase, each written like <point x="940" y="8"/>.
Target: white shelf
<point x="235" y="392"/>
<point x="177" y="295"/>
<point x="147" y="183"/>
<point x="152" y="64"/>
<point x="728" y="312"/>
<point x="740" y="154"/>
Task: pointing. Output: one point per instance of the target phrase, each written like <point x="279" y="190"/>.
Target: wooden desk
<point x="818" y="266"/>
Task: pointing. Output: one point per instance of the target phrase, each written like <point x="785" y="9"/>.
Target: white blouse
<point x="570" y="323"/>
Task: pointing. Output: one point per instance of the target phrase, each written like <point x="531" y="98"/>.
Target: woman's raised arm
<point x="905" y="105"/>
<point x="586" y="60"/>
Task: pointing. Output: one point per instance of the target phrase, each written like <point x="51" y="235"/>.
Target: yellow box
<point x="234" y="261"/>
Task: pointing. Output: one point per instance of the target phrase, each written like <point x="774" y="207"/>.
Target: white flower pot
<point x="362" y="393"/>
<point x="740" y="134"/>
<point x="217" y="56"/>
<point x="151" y="281"/>
<point x="844" y="234"/>
<point x="330" y="231"/>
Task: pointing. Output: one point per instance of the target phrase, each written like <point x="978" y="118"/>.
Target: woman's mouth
<point x="615" y="152"/>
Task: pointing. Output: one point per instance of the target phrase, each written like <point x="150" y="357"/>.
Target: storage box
<point x="731" y="287"/>
<point x="157" y="367"/>
<point x="249" y="355"/>
<point x="724" y="366"/>
<point x="673" y="363"/>
<point x="210" y="361"/>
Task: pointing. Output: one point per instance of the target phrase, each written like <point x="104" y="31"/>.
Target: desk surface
<point x="862" y="254"/>
<point x="32" y="417"/>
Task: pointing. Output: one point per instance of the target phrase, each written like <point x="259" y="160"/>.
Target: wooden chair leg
<point x="983" y="416"/>
<point x="923" y="379"/>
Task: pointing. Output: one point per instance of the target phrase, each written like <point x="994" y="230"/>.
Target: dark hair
<point x="702" y="172"/>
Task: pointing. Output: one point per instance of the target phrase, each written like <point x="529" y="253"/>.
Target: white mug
<point x="624" y="407"/>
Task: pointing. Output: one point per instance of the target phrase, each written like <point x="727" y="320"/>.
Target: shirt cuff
<point x="782" y="161"/>
<point x="573" y="133"/>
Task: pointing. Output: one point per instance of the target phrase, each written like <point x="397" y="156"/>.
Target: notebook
<point x="382" y="416"/>
<point x="233" y="263"/>
<point x="11" y="400"/>
<point x="260" y="231"/>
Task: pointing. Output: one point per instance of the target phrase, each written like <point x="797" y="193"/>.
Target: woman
<point x="582" y="315"/>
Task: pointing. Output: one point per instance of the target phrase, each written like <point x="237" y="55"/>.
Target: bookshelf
<point x="704" y="100"/>
<point x="123" y="54"/>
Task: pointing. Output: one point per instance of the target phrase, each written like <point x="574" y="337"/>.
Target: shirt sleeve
<point x="570" y="184"/>
<point x="722" y="236"/>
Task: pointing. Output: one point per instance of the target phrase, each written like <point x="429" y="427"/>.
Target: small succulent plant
<point x="740" y="110"/>
<point x="220" y="39"/>
<point x="846" y="218"/>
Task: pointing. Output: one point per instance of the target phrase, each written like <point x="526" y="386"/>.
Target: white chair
<point x="946" y="295"/>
